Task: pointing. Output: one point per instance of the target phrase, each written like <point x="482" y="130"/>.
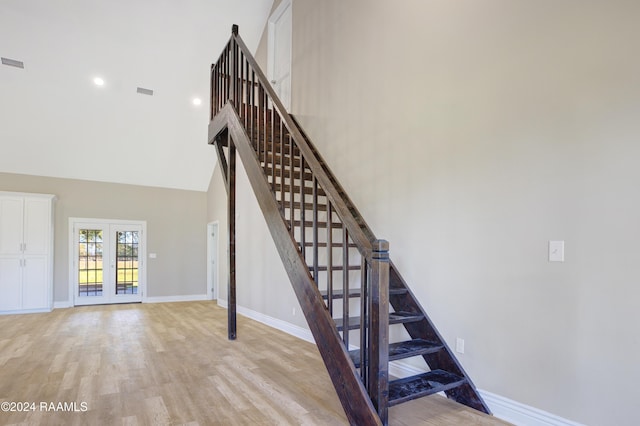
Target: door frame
<point x="213" y="260"/>
<point x="142" y="252"/>
<point x="283" y="7"/>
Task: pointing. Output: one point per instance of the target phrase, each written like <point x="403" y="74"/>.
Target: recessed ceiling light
<point x="98" y="81"/>
<point x="197" y="101"/>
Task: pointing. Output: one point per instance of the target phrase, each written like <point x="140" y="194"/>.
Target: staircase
<point x="349" y="290"/>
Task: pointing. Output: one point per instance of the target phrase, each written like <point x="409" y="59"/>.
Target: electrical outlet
<point x="293" y="311"/>
<point x="460" y="345"/>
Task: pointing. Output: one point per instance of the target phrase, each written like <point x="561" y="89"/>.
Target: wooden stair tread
<point x="275" y="159"/>
<point x="401" y="350"/>
<point x="309" y="224"/>
<point x="296" y="189"/>
<point x="307" y="206"/>
<point x="355" y="292"/>
<point x="403" y="390"/>
<point x="324" y="245"/>
<point x="308" y="176"/>
<point x="394" y="318"/>
<point x="336" y="268"/>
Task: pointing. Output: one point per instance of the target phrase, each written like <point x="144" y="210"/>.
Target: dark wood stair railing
<point x="331" y="256"/>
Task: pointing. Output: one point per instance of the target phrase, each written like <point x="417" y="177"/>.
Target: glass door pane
<point x="126" y="263"/>
<point x="91" y="259"/>
<point x="127" y="243"/>
<point x="90" y="272"/>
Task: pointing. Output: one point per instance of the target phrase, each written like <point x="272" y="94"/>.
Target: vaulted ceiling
<point x="55" y="121"/>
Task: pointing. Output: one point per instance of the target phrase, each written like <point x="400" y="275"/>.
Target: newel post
<point x="379" y="329"/>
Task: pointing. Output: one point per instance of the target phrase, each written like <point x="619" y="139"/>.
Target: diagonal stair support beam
<point x="351" y="392"/>
<point x="222" y="161"/>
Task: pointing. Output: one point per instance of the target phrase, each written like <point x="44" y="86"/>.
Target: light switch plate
<point x="556" y="251"/>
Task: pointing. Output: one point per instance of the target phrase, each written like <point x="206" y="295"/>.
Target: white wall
<point x="495" y="126"/>
<point x="469" y="134"/>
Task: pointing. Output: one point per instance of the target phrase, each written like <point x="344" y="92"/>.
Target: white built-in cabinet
<point x="26" y="252"/>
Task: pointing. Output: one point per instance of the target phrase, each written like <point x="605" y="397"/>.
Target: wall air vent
<point x="144" y="91"/>
<point x="12" y="63"/>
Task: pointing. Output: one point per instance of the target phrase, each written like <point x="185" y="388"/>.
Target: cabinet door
<point x="37" y="223"/>
<point x="11" y="209"/>
<point x="35" y="286"/>
<point x="10" y="283"/>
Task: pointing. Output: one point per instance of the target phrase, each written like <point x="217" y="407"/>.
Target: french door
<point x="108" y="262"/>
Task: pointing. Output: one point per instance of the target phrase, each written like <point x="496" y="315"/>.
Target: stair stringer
<point x="346" y="381"/>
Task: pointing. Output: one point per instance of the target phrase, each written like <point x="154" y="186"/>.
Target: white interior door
<point x="212" y="261"/>
<point x="107" y="262"/>
<point x="279" y="52"/>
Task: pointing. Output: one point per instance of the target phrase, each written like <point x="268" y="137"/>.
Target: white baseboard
<point x="503" y="408"/>
<point x="179" y="298"/>
<point x="25" y="311"/>
<point x="287" y="327"/>
<point x="521" y="414"/>
<point x="156" y="299"/>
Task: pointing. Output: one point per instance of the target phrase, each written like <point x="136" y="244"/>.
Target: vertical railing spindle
<point x="329" y="258"/>
<point x="243" y="89"/>
<point x="273" y="147"/>
<point x="214" y="89"/>
<point x="315" y="229"/>
<point x="345" y="285"/>
<point x="253" y="104"/>
<point x="282" y="174"/>
<point x="265" y="127"/>
<point x="292" y="211"/>
<point x="303" y="232"/>
<point x="364" y="363"/>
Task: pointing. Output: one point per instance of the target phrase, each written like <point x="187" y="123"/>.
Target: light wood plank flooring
<point x="171" y="364"/>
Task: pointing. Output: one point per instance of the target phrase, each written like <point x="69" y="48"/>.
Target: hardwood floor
<point x="171" y="364"/>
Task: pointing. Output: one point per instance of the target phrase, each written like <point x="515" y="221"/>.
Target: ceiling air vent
<point x="144" y="91"/>
<point x="12" y="63"/>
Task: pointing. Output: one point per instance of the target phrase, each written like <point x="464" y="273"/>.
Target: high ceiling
<point x="55" y="121"/>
